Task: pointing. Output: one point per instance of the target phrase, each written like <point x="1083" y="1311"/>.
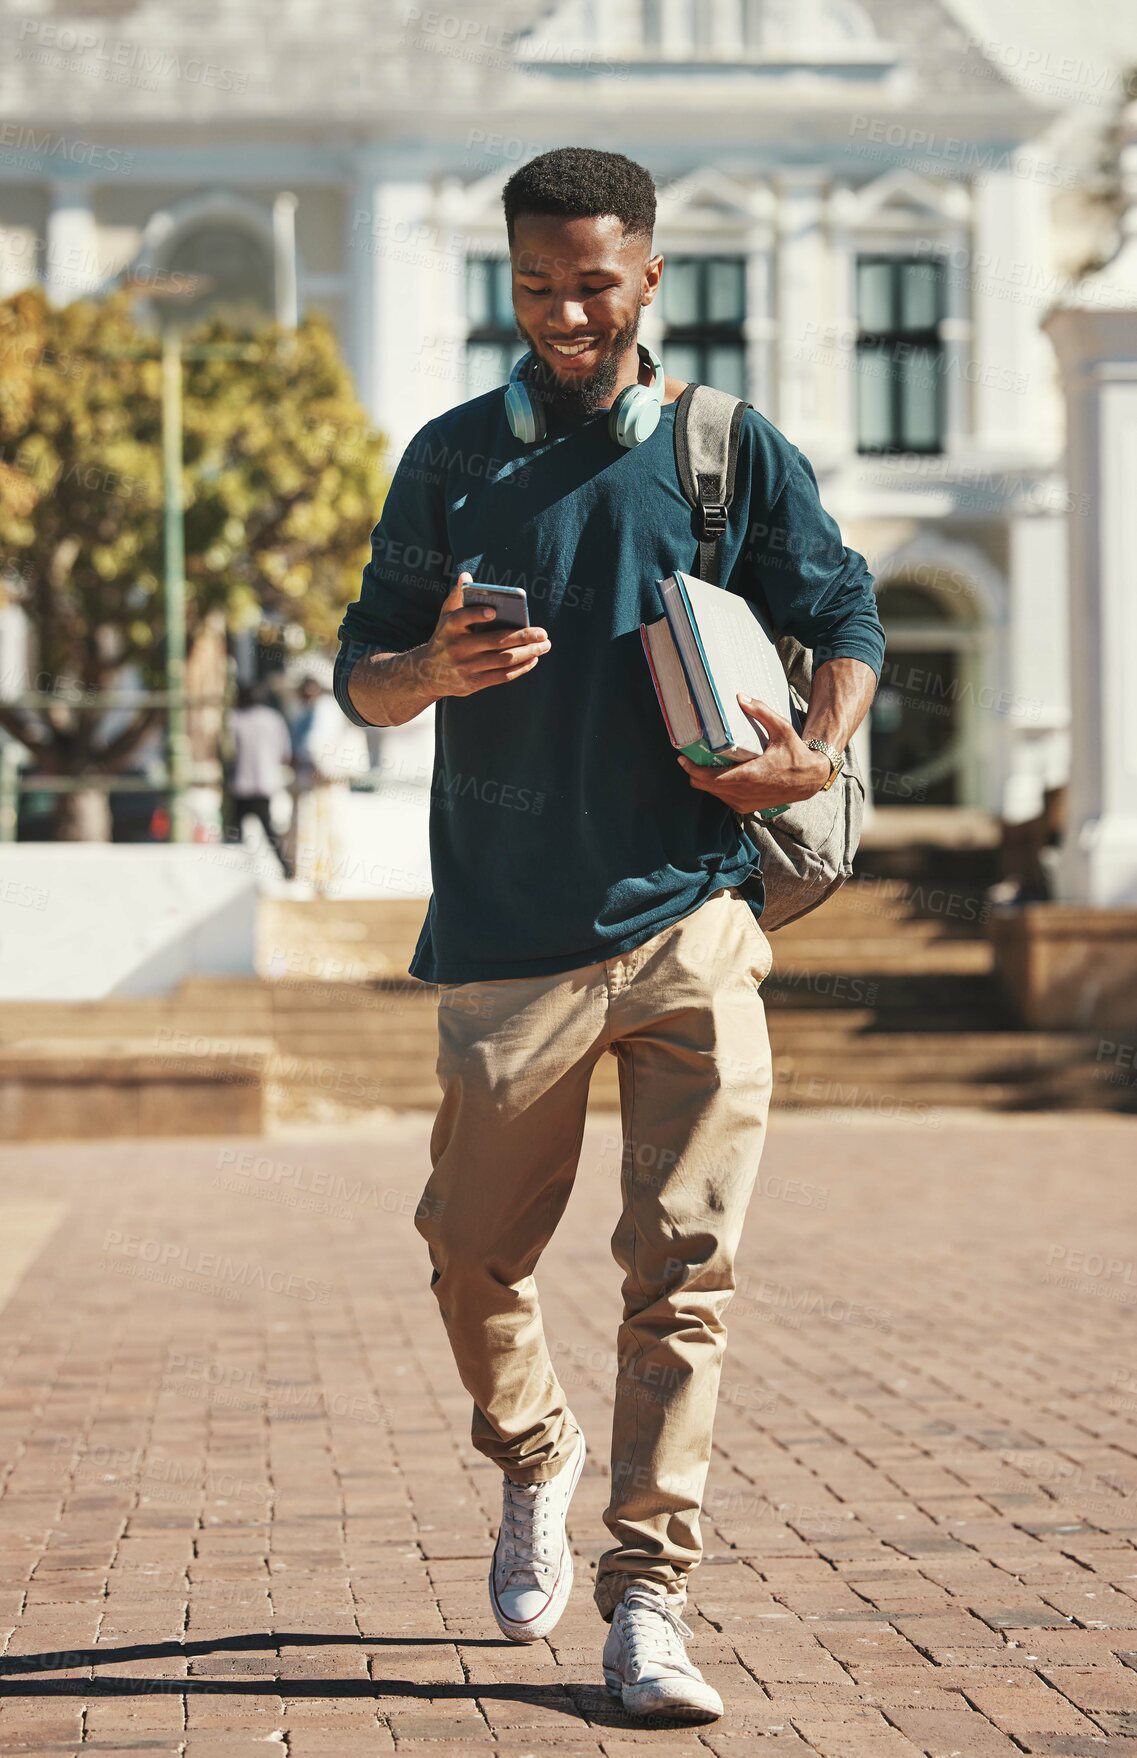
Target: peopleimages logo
<point x="490" y="790"/>
<point x="118" y="57"/>
<point x="172" y="1259"/>
<point x="42" y="144"/>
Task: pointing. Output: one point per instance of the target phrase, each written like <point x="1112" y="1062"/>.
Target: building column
<point x="1094" y="333"/>
<point x="71" y="260"/>
<point x="359" y="270"/>
<point x="446" y="367"/>
<point x="759" y="328"/>
<point x="837" y="342"/>
<point x="801" y="307"/>
<point x="398" y="258"/>
<point x="957" y="331"/>
<point x="1033" y="705"/>
<point x="1011" y="375"/>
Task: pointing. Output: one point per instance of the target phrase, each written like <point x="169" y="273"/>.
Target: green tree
<point x="283" y="481"/>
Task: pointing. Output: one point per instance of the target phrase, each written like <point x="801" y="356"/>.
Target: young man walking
<point x="592" y="891"/>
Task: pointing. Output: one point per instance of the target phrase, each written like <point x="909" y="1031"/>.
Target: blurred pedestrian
<point x="328" y="751"/>
<point x="261" y="748"/>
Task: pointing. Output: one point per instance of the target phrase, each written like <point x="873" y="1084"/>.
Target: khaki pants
<point x="685" y="1018"/>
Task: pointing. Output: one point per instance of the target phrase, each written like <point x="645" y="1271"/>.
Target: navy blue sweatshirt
<point x="562" y="829"/>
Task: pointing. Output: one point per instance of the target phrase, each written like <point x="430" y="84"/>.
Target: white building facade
<point x="857" y="211"/>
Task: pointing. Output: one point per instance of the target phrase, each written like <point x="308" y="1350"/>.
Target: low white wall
<point x="383" y="837"/>
<point x="83" y="920"/>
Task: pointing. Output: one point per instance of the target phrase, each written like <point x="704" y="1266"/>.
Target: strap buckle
<point x="713" y="519"/>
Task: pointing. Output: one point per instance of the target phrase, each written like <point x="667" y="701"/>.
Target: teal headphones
<point x="633" y="417"/>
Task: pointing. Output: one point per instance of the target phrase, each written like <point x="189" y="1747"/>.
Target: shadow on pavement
<point x="584" y="1700"/>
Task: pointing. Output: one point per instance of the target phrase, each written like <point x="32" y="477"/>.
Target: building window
<point x="492" y="344"/>
<point x="900" y="357"/>
<point x="702" y="25"/>
<point x="686" y="27"/>
<point x="704" y="307"/>
<point x="721" y="29"/>
<point x="754" y="23"/>
<point x="653" y="24"/>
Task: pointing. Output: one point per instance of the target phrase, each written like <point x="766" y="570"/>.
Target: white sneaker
<point x="645" y="1662"/>
<point x="531" y="1572"/>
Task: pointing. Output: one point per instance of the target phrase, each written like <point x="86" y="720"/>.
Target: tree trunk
<point x="84" y="816"/>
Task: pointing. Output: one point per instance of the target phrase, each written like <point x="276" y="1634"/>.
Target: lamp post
<point x="174" y="551"/>
<point x="174" y="543"/>
<point x="174" y="554"/>
<point x="173" y="524"/>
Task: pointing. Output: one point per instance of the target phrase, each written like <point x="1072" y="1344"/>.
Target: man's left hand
<point x="786" y="770"/>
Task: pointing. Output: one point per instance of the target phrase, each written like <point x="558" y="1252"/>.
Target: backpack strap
<point x="708" y="424"/>
<point x="806" y="849"/>
<point x="707" y="428"/>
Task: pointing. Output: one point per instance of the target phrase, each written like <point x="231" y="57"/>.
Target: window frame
<point x="706" y="333"/>
<point x="498" y="332"/>
<point x="929" y="337"/>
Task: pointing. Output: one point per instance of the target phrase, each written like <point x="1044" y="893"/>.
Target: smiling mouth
<point x="570" y="350"/>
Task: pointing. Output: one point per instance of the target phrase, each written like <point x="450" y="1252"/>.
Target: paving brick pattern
<point x="240" y="1512"/>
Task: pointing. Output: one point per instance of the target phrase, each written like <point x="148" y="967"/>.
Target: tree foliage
<point x="283" y="480"/>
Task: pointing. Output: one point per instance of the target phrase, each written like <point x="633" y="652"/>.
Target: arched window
<point x="235" y="262"/>
<point x="222" y="236"/>
<point x="922" y="723"/>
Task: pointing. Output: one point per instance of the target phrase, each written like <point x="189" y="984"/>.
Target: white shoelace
<point x="652" y="1631"/>
<point x="524" y="1550"/>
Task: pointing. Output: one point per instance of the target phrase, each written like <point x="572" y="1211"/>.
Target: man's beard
<point x="582" y="397"/>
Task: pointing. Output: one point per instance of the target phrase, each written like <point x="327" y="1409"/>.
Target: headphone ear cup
<point x="526" y="420"/>
<point x="641" y="419"/>
<point x="634" y="416"/>
<point x="617" y="413"/>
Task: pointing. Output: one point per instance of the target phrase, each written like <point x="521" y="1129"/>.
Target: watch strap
<point x="836" y="760"/>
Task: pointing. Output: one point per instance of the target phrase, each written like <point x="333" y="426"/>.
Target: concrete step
<point x="329" y="939"/>
<point x="895" y="956"/>
<point x="847" y="1095"/>
<point x="112" y="1086"/>
<point x="924" y="1099"/>
<point x="880" y="1074"/>
<point x="369" y="1089"/>
<point x="879" y="1001"/>
<point x="884" y="1070"/>
<point x="919" y="1050"/>
<point x="910" y="1049"/>
<point x="414" y="1027"/>
<point x="914" y="994"/>
<point x="412" y="1022"/>
<point x="881" y="1061"/>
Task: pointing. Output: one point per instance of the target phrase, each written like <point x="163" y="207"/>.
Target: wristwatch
<point x="836" y="758"/>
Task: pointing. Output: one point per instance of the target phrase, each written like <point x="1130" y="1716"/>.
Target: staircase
<point x="882" y="1003"/>
<point x="877" y="1004"/>
<point x="885" y="1001"/>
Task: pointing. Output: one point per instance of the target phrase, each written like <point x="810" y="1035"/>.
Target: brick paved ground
<point x="241" y="1509"/>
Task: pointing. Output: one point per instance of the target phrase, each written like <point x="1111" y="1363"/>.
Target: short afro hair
<point x="579" y="182"/>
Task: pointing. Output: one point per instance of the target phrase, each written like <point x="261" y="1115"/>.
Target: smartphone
<point x="509" y="602"/>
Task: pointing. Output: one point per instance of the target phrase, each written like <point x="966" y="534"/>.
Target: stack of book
<point x="708" y="645"/>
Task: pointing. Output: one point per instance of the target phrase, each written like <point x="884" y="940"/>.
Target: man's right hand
<point x="469" y="651"/>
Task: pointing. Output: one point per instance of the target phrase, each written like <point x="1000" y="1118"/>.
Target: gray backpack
<point x="807" y="848"/>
